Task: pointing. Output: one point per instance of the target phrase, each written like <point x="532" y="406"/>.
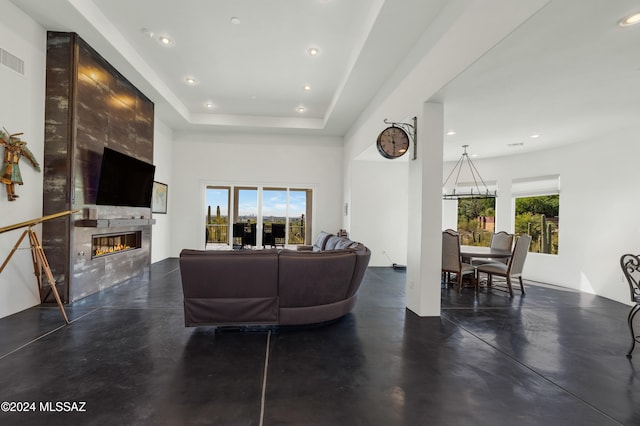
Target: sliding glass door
<point x="265" y="216"/>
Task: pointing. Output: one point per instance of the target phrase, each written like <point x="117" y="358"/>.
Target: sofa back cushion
<point x="321" y="241"/>
<point x="332" y="241"/>
<point x="345" y="243"/>
<point x="229" y="274"/>
<point x="314" y="278"/>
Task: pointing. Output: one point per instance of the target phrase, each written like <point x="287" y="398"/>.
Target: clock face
<point x="393" y="142"/>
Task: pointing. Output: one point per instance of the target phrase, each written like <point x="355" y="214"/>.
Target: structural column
<point x="424" y="240"/>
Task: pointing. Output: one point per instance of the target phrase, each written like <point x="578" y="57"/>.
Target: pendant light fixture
<point x="476" y="188"/>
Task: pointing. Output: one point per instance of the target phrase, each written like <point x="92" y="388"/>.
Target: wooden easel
<point x="38" y="257"/>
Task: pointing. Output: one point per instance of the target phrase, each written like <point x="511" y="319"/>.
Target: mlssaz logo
<point x="63" y="406"/>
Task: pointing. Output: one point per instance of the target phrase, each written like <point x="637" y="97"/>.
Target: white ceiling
<point x="569" y="73"/>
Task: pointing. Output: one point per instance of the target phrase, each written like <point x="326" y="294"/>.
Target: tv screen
<point x="124" y="180"/>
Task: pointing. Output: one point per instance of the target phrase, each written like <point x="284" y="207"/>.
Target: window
<point x="259" y="209"/>
<point x="538" y="217"/>
<point x="476" y="220"/>
<point x="246" y="205"/>
<point x="537" y="212"/>
<point x="299" y="213"/>
<point x="217" y="225"/>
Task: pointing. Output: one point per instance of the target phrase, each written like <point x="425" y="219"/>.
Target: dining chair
<point x="278" y="234"/>
<point x="451" y="260"/>
<point x="500" y="240"/>
<point x="513" y="269"/>
<point x="630" y="264"/>
<point x="238" y="235"/>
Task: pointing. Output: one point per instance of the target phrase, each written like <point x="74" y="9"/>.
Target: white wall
<point x="21" y="110"/>
<point x="252" y="159"/>
<point x="162" y="158"/>
<point x="598" y="211"/>
<point x="463" y="32"/>
<point x="379" y="204"/>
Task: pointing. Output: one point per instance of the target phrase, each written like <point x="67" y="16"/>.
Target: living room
<point x="412" y="352"/>
<point x="342" y="175"/>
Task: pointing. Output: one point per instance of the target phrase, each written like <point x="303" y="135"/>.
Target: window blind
<point x="540" y="185"/>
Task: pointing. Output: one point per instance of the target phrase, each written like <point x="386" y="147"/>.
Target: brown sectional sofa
<point x="270" y="287"/>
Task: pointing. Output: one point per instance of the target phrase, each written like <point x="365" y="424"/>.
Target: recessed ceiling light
<point x="535" y="136"/>
<point x="301" y="109"/>
<point x="451" y="133"/>
<point x="630" y="20"/>
<point x="190" y="81"/>
<point x="313" y="51"/>
<point x="235" y="20"/>
<point x="165" y="41"/>
<point x="208" y="105"/>
<point x="306" y="87"/>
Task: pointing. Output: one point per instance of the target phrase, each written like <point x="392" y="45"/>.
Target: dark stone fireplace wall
<point x="89" y="106"/>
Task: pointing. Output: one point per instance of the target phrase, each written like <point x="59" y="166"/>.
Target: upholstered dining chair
<point x="278" y="234"/>
<point x="630" y="264"/>
<point x="451" y="260"/>
<point x="513" y="269"/>
<point x="500" y="240"/>
<point x="238" y="235"/>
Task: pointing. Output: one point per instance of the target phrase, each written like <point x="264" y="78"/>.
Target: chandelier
<point x="476" y="189"/>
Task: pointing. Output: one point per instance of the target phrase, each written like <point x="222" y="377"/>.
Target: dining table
<point x="468" y="252"/>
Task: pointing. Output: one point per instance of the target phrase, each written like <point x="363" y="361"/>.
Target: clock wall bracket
<point x="411" y="130"/>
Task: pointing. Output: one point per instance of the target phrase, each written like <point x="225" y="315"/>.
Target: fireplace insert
<point x="107" y="244"/>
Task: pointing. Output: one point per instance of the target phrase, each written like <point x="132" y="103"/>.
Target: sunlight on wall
<point x="585" y="284"/>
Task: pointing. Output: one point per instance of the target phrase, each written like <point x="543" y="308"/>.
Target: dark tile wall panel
<point x="89" y="106"/>
<point x="57" y="164"/>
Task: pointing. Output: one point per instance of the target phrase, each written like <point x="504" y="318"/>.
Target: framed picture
<point x="159" y="198"/>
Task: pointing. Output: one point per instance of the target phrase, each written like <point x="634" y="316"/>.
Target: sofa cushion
<point x="229" y="287"/>
<point x="321" y="241"/>
<point x="314" y="278"/>
<point x="344" y="243"/>
<point x="222" y="274"/>
<point x="332" y="242"/>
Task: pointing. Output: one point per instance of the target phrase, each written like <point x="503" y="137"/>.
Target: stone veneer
<point x="89" y="105"/>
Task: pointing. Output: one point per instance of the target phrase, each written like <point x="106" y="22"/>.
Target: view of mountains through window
<point x="286" y="206"/>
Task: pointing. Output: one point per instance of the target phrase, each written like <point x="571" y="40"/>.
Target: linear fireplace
<point x="107" y="244"/>
<point x="99" y="245"/>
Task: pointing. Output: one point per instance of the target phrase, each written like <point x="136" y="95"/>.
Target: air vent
<point x="11" y="61"/>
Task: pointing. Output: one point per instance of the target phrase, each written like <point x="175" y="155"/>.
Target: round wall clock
<point x="393" y="142"/>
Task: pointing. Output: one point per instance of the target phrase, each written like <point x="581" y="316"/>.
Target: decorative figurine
<point x="14" y="148"/>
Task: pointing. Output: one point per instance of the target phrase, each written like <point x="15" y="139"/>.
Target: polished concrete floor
<point x="551" y="357"/>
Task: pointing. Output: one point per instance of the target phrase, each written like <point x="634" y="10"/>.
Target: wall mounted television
<point x="124" y="180"/>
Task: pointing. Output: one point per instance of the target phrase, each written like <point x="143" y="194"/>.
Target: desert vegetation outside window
<point x="538" y="216"/>
<point x="476" y="220"/>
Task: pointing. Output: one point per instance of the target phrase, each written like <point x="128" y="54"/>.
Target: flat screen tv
<point x="124" y="180"/>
